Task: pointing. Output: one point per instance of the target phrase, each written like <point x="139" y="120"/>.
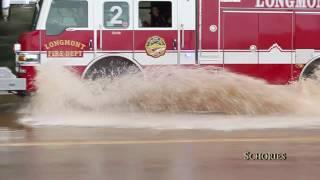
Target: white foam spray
<point x="63" y="96"/>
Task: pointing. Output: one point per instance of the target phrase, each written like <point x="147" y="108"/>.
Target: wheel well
<point x="110" y="61"/>
<point x="309" y="68"/>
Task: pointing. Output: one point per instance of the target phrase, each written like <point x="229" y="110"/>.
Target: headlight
<point x="24" y="57"/>
<point x="17" y="47"/>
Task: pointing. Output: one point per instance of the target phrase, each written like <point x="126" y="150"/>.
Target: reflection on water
<point x="7" y="134"/>
<point x="10" y="129"/>
<point x="9" y="120"/>
<point x="9" y="104"/>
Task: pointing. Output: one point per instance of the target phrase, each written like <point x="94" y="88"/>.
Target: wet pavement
<point x="51" y="153"/>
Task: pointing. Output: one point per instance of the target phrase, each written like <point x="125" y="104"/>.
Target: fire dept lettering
<point x="65" y="48"/>
<point x="288" y="3"/>
<point x="65" y="53"/>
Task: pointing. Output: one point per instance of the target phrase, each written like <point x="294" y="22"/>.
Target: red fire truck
<point x="275" y="40"/>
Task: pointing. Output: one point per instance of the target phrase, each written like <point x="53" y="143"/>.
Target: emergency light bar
<point x="6" y="6"/>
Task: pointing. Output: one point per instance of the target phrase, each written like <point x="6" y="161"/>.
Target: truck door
<point x="240" y="41"/>
<point x="68" y="35"/>
<point x="210" y="33"/>
<point x="156" y="32"/>
<point x="115" y="27"/>
<point x="275" y="46"/>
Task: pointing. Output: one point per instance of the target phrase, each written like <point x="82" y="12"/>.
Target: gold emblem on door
<point x="156" y="46"/>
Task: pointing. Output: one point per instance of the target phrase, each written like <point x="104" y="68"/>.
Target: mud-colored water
<point x="171" y="90"/>
<point x="63" y="96"/>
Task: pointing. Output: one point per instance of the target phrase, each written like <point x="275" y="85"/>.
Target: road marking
<point x="177" y="141"/>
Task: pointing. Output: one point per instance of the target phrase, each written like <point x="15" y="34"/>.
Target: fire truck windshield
<point x="64" y="14"/>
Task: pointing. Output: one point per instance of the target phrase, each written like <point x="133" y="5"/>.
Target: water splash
<point x="166" y="90"/>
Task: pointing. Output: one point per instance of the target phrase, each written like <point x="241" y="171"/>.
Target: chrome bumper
<point x="9" y="82"/>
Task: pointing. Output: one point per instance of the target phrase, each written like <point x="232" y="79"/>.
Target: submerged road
<point x="74" y="153"/>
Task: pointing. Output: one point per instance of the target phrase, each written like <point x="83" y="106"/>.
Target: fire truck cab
<point x="274" y="40"/>
<point x="99" y="36"/>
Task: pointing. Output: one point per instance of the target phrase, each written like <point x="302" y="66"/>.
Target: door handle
<point x="182" y="36"/>
<point x="101" y="37"/>
<point x="70" y="29"/>
<point x="91" y="44"/>
<point x="174" y="44"/>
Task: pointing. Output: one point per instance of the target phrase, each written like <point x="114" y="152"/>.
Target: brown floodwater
<point x="143" y="146"/>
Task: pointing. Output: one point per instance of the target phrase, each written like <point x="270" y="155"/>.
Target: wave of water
<point x="172" y="121"/>
<point x="62" y="94"/>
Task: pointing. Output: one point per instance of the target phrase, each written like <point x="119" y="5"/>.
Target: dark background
<point x="20" y="21"/>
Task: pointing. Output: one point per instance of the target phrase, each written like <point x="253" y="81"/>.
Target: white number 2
<point x="115" y="19"/>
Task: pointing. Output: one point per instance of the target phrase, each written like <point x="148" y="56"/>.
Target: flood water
<point x="95" y="145"/>
<point x="171" y="127"/>
<point x="166" y="99"/>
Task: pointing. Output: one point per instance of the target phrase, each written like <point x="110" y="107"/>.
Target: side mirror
<point x="38" y="6"/>
<point x="5" y="9"/>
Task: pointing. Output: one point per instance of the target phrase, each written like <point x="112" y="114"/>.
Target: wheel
<point x="111" y="68"/>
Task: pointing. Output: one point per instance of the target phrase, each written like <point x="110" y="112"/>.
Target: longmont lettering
<point x="288" y="3"/>
<point x="58" y="43"/>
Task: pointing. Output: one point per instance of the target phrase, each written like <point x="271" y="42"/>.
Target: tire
<point x="23" y="94"/>
<point x="111" y="68"/>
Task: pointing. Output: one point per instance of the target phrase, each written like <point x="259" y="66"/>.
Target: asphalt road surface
<point x="78" y="153"/>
